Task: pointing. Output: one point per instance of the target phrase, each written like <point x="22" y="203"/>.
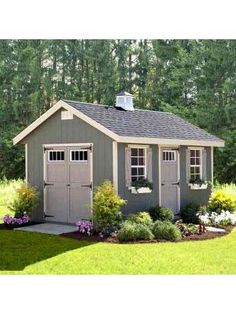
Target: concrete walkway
<point x="49" y="228"/>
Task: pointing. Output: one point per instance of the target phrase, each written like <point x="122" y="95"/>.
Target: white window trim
<point x="145" y="160"/>
<point x="78" y="150"/>
<point x="56" y="150"/>
<point x="200" y="166"/>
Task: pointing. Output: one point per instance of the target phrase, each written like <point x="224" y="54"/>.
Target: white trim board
<point x="120" y="139"/>
<point x="115" y="165"/>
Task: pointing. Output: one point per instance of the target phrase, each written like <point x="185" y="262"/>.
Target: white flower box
<point x="195" y="186"/>
<point x="140" y="190"/>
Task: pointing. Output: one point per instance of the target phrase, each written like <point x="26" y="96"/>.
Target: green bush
<point x="189" y="213"/>
<point x="131" y="231"/>
<point x="161" y="213"/>
<point x="165" y="230"/>
<point x="140" y="218"/>
<point x="106" y="205"/>
<point x="25" y="200"/>
<point x="220" y="201"/>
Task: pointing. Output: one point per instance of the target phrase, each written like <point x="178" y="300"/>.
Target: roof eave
<point x="167" y="141"/>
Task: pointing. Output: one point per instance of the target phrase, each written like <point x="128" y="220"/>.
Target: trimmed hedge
<point x="165" y="230"/>
<point x="131" y="231"/>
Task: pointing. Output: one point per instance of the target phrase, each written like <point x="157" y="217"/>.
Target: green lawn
<point x="32" y="253"/>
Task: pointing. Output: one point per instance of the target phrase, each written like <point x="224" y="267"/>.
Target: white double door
<point x="67" y="183"/>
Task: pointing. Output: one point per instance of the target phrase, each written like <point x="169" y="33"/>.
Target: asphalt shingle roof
<point x="143" y="123"/>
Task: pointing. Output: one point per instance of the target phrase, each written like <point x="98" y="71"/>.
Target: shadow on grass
<point x="19" y="249"/>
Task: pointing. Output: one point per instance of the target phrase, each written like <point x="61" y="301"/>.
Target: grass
<point x="31" y="253"/>
<point x="34" y="253"/>
<point x="7" y="194"/>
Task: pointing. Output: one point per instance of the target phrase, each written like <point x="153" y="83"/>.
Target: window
<point x="195" y="164"/>
<point x="138" y="164"/>
<point x="169" y="155"/>
<point x="79" y="155"/>
<point x="56" y="155"/>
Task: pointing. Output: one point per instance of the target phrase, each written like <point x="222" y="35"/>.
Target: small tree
<point x="25" y="201"/>
<point x="106" y="205"/>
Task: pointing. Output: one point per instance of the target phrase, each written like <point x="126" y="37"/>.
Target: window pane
<point x="85" y="155"/>
<point x="134" y="161"/>
<point x="141" y="152"/>
<point x="192" y="161"/>
<point x="141" y="171"/>
<point x="134" y="152"/>
<point x="134" y="171"/>
<point x="133" y="179"/>
<point x="197" y="153"/>
<point x="141" y="161"/>
<point x="192" y="153"/>
<point x="197" y="161"/>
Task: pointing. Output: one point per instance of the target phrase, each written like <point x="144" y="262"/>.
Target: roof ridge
<point x="112" y="106"/>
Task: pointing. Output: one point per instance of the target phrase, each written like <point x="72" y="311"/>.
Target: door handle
<point x="177" y="183"/>
<point x="87" y="186"/>
<point x="47" y="184"/>
<point x="162" y="184"/>
<point x="68" y="184"/>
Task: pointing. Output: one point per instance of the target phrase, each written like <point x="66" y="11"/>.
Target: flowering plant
<point x="84" y="226"/>
<point x="9" y="220"/>
<point x="222" y="219"/>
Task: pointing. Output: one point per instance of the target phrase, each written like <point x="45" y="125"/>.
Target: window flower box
<point x="140" y="190"/>
<point x="198" y="186"/>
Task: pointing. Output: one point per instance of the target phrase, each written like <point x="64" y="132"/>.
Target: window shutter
<point x="149" y="164"/>
<point x="187" y="165"/>
<point x="204" y="175"/>
<point x="128" y="166"/>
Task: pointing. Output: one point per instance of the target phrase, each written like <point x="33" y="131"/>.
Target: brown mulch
<point x="5" y="227"/>
<point x="95" y="238"/>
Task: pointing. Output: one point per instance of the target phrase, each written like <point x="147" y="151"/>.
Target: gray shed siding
<point x="141" y="202"/>
<point x="57" y="131"/>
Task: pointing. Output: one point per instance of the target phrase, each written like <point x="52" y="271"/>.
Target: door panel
<point x="170" y="192"/>
<point x="56" y="203"/>
<point x="67" y="184"/>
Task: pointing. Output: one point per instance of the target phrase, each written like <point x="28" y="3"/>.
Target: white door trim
<point x="66" y="145"/>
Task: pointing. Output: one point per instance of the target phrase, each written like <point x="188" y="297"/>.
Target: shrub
<point x="161" y="213"/>
<point x="25" y="200"/>
<point x="165" y="230"/>
<point x="106" y="205"/>
<point x="141" y="218"/>
<point x="186" y="229"/>
<point x="221" y="201"/>
<point x="189" y="213"/>
<point x="131" y="231"/>
<point x="84" y="226"/>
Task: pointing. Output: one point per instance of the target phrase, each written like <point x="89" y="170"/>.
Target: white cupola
<point x="124" y="101"/>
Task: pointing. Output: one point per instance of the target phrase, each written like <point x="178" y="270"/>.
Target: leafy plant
<point x="106" y="205"/>
<point x="144" y="183"/>
<point x="140" y="218"/>
<point x="131" y="231"/>
<point x="221" y="201"/>
<point x="198" y="181"/>
<point x="189" y="212"/>
<point x="161" y="213"/>
<point x="165" y="230"/>
<point x="186" y="229"/>
<point x="25" y="200"/>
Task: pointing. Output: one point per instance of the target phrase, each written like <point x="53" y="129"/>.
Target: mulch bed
<point x="11" y="227"/>
<point x="95" y="238"/>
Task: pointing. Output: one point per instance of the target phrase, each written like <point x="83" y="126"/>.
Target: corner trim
<point x="115" y="165"/>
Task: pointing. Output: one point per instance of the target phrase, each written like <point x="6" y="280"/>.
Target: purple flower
<point x="9" y="220"/>
<point x="84" y="226"/>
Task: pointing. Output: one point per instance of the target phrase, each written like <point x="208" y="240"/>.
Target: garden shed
<point x="152" y="158"/>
